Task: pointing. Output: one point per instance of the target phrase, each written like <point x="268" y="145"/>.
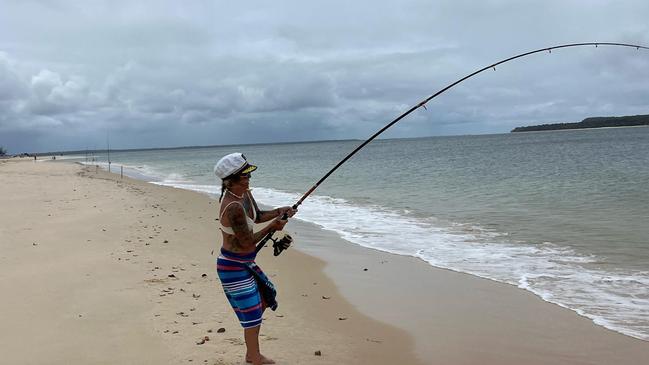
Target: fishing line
<point x="278" y="247"/>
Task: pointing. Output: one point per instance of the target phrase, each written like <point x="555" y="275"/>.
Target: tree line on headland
<point x="593" y="122"/>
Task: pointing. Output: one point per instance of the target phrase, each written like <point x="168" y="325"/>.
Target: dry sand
<point x="86" y="260"/>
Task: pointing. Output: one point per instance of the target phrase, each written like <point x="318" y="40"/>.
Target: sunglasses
<point x="244" y="175"/>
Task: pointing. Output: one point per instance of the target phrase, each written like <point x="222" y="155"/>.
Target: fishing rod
<point x="281" y="244"/>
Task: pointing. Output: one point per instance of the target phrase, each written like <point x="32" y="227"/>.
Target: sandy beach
<point x="102" y="270"/>
<point x="98" y="270"/>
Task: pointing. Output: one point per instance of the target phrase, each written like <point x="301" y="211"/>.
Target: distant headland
<point x="594" y="122"/>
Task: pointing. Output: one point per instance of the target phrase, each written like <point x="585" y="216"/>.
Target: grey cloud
<point x="11" y="87"/>
<point x="52" y="95"/>
<point x="170" y="73"/>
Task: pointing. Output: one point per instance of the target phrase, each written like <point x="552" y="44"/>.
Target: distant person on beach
<point x="246" y="286"/>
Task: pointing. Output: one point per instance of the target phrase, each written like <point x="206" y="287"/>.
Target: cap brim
<point x="248" y="169"/>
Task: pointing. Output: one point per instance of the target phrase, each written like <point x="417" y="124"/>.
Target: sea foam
<point x="616" y="300"/>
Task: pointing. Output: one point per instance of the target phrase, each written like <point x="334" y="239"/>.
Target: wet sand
<point x="458" y="318"/>
<point x="96" y="269"/>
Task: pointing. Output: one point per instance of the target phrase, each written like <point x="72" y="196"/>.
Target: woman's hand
<point x="289" y="211"/>
<point x="278" y="224"/>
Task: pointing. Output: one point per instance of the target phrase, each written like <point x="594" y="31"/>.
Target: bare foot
<point x="264" y="360"/>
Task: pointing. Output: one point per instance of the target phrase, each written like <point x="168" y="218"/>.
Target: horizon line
<point x="70" y="152"/>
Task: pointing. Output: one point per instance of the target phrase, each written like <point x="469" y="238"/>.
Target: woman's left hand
<point x="286" y="210"/>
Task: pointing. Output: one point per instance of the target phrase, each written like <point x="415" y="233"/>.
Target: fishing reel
<point x="281" y="241"/>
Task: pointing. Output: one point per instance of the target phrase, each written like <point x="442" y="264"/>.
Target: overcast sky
<point x="177" y="73"/>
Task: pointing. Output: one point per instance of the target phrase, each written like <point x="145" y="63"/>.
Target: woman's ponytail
<point x="222" y="190"/>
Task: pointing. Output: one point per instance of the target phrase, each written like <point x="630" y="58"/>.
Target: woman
<point x="246" y="286"/>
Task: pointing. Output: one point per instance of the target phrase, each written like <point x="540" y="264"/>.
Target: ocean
<point x="562" y="214"/>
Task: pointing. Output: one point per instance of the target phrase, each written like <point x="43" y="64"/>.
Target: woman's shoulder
<point x="230" y="204"/>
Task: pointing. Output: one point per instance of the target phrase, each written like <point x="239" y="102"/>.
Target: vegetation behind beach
<point x="593" y="122"/>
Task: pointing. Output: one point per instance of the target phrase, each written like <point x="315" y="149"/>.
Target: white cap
<point x="232" y="164"/>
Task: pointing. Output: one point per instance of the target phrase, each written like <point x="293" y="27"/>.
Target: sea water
<point x="563" y="214"/>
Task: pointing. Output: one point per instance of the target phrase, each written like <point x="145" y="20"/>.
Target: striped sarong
<point x="244" y="284"/>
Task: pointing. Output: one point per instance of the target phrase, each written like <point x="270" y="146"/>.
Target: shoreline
<point x="334" y="268"/>
<point x="453" y="318"/>
<point x="636" y="329"/>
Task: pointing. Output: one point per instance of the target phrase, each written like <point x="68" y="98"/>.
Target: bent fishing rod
<point x="279" y="244"/>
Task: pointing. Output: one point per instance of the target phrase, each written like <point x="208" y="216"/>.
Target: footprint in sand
<point x="235" y="341"/>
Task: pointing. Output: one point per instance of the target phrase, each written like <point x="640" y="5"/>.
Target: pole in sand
<point x="108" y="149"/>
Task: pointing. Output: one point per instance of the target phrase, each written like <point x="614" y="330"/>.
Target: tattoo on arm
<point x="266" y="215"/>
<point x="239" y="225"/>
<point x="244" y="237"/>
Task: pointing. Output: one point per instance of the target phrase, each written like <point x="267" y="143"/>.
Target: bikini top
<point x="251" y="221"/>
